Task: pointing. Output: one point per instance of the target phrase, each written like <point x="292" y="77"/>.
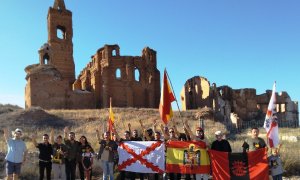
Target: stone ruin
<point x="131" y="81"/>
<point x="235" y="105"/>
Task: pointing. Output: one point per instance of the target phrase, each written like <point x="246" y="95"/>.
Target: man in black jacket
<point x="220" y="144"/>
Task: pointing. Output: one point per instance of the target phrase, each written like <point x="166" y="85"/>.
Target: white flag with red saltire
<point x="271" y="123"/>
<point x="142" y="156"/>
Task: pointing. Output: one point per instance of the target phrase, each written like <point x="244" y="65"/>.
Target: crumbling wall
<point x="131" y="81"/>
<point x="196" y="93"/>
<point x="236" y="105"/>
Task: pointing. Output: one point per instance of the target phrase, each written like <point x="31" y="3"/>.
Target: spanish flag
<point x="166" y="98"/>
<point x="240" y="166"/>
<point x="187" y="157"/>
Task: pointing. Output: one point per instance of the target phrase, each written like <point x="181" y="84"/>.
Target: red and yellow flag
<point x="166" y="97"/>
<point x="187" y="157"/>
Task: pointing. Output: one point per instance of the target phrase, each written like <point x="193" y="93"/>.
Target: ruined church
<point x="131" y="81"/>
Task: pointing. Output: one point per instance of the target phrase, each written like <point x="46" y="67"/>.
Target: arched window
<point x="46" y="59"/>
<point x="61" y="32"/>
<point x="137" y="74"/>
<point x="114" y="53"/>
<point x="118" y="73"/>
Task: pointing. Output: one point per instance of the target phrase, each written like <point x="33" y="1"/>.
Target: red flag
<point x="251" y="165"/>
<point x="166" y="98"/>
<point x="271" y="124"/>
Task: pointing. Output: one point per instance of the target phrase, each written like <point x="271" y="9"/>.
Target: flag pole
<point x="174" y="95"/>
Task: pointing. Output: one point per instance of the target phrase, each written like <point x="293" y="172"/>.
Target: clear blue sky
<point x="243" y="44"/>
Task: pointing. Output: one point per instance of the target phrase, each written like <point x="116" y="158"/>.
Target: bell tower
<point x="60" y="34"/>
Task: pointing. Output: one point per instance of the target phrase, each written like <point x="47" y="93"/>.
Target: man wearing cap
<point x="16" y="154"/>
<point x="220" y="144"/>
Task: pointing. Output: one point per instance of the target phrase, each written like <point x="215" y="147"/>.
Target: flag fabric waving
<point x="240" y="166"/>
<point x="166" y="98"/>
<point x="142" y="156"/>
<point x="271" y="124"/>
<point x="187" y="157"/>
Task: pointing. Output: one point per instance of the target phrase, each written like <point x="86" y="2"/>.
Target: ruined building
<point x="235" y="104"/>
<point x="131" y="81"/>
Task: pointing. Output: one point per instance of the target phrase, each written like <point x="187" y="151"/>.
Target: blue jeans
<point x="108" y="170"/>
<point x="277" y="177"/>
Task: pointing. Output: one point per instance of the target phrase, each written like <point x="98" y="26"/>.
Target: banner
<point x="271" y="124"/>
<point x="187" y="157"/>
<point x="142" y="156"/>
<point x="111" y="121"/>
<point x="240" y="166"/>
<point x="166" y="98"/>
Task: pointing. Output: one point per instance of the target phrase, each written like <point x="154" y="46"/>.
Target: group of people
<point x="63" y="154"/>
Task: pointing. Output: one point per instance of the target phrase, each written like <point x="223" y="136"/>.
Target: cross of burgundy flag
<point x="271" y="124"/>
<point x="142" y="156"/>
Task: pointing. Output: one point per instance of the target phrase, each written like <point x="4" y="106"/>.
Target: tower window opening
<point x="46" y="59"/>
<point x="114" y="52"/>
<point x="61" y="32"/>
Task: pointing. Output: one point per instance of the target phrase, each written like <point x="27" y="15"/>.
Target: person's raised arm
<point x="33" y="140"/>
<point x="162" y="128"/>
<point x="186" y="133"/>
<point x="129" y="129"/>
<point x="176" y="130"/>
<point x="118" y="138"/>
<point x="98" y="135"/>
<point x="142" y="125"/>
<point x="51" y="136"/>
<point x="66" y="131"/>
<point x="186" y="125"/>
<point x="5" y="134"/>
<point x="154" y="125"/>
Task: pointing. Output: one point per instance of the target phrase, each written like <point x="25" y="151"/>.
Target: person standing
<point x="83" y="143"/>
<point x="106" y="154"/>
<point x="58" y="160"/>
<point x="275" y="164"/>
<point x="72" y="153"/>
<point x="87" y="162"/>
<point x="46" y="151"/>
<point x="16" y="154"/>
<point x="220" y="144"/>
<point x="254" y="142"/>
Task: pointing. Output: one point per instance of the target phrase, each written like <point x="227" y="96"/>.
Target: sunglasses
<point x="171" y="131"/>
